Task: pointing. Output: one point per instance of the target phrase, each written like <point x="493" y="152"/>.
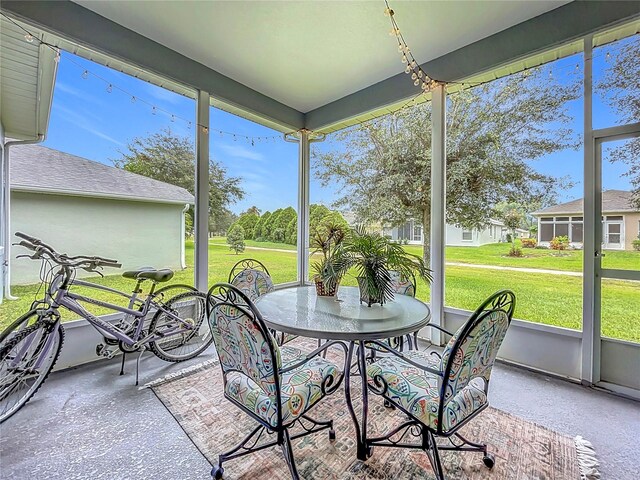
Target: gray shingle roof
<point x="34" y="167"/>
<point x="612" y="201"/>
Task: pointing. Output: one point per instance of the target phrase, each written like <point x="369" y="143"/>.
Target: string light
<point x="29" y="37"/>
<point x="426" y="84"/>
<point x="407" y="57"/>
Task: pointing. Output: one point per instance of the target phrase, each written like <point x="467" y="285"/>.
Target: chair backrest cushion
<point x="253" y="283"/>
<point x="474" y="347"/>
<point x="244" y="344"/>
<point x="400" y="285"/>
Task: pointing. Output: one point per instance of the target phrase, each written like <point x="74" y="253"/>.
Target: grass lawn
<point x="496" y="254"/>
<point x="541" y="298"/>
<point x="253" y="243"/>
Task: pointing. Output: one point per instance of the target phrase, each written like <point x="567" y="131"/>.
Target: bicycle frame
<point x="58" y="295"/>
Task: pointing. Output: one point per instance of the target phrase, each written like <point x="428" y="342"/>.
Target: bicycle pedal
<point x="103" y="351"/>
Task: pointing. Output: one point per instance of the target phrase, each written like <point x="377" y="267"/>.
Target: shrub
<point x="509" y="238"/>
<point x="559" y="243"/>
<point x="636" y="244"/>
<point x="261" y="239"/>
<point x="529" y="242"/>
<point x="515" y="252"/>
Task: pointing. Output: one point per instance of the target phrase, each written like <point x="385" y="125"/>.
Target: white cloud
<point x="68" y="89"/>
<point x="239" y="151"/>
<point x="83" y="122"/>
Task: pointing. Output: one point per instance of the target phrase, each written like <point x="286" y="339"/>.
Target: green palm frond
<point x="373" y="256"/>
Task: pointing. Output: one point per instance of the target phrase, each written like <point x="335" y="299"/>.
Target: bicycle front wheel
<point x="26" y="358"/>
<point x="181" y="322"/>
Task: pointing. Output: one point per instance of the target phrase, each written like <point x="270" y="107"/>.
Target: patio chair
<point x="401" y="286"/>
<point x="274" y="386"/>
<point x="252" y="277"/>
<point x="442" y="394"/>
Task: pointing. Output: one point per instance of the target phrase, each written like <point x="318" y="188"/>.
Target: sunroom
<point x="319" y="74"/>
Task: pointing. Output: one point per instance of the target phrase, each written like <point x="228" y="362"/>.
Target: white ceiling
<point x="294" y="51"/>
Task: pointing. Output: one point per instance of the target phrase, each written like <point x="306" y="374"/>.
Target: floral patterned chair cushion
<point x="301" y="389"/>
<point x="418" y="391"/>
<point x="402" y="286"/>
<point x="476" y="354"/>
<point x="253" y="283"/>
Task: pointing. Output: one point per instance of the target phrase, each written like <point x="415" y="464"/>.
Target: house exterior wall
<point x="631" y="221"/>
<point x="134" y="233"/>
<point x="631" y="229"/>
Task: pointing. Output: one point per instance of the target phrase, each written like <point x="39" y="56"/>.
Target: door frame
<point x="593" y="271"/>
<point x="606" y="245"/>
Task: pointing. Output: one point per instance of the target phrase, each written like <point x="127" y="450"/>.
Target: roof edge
<point x="77" y="193"/>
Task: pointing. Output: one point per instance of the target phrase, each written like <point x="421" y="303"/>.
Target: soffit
<point x="308" y="54"/>
<point x="26" y="83"/>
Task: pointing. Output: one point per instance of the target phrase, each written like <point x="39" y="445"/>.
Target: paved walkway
<point x="517" y="269"/>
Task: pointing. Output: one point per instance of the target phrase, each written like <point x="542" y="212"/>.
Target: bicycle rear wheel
<point x="26" y="358"/>
<point x="181" y="343"/>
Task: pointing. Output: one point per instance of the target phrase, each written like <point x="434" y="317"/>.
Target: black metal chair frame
<point x="247" y="264"/>
<point x="228" y="295"/>
<point x="503" y="300"/>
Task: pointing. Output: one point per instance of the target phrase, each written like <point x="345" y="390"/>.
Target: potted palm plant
<point x="325" y="239"/>
<point x="373" y="257"/>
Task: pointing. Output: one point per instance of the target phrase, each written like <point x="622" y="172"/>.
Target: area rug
<point x="522" y="449"/>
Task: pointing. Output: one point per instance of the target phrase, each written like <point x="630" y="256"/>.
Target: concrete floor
<point x="90" y="423"/>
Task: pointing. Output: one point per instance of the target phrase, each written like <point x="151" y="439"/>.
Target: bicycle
<point x="31" y="345"/>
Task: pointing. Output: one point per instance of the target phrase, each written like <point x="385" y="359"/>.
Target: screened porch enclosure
<point x="307" y="113"/>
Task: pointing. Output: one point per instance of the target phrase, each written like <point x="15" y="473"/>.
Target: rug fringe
<point x="587" y="461"/>
<point x="180" y="373"/>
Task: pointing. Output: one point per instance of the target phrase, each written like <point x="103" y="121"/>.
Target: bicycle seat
<point x="148" y="273"/>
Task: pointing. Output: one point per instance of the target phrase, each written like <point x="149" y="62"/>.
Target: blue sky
<point x="94" y="121"/>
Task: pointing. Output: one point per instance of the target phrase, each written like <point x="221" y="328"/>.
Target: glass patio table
<point x="299" y="311"/>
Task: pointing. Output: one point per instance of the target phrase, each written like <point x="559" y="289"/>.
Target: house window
<point x="467" y="235"/>
<point x="417" y="233"/>
<point x="576" y="232"/>
<point x="546" y="232"/>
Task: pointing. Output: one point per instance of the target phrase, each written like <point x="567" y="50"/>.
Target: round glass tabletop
<point x="300" y="311"/>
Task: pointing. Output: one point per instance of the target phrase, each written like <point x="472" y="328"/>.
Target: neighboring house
<point x="495" y="232"/>
<point x="620" y="221"/>
<point x="82" y="207"/>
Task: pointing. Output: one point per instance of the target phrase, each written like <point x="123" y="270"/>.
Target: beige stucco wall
<point x="630" y="229"/>
<point x="134" y="233"/>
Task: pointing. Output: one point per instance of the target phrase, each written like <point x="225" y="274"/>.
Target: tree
<point x="621" y="90"/>
<point x="235" y="238"/>
<point x="248" y="222"/>
<point x="280" y="222"/>
<point x="170" y="158"/>
<point x="258" y="231"/>
<point x="267" y="226"/>
<point x="291" y="234"/>
<point x="494" y="131"/>
<point x="513" y="216"/>
<point x="220" y="221"/>
<point x="253" y="209"/>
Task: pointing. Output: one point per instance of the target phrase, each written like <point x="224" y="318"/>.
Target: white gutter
<point x="6" y="241"/>
<point x="79" y="193"/>
<point x="183" y="233"/>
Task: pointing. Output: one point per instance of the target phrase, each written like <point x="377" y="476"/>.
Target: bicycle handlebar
<point x="79" y="261"/>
